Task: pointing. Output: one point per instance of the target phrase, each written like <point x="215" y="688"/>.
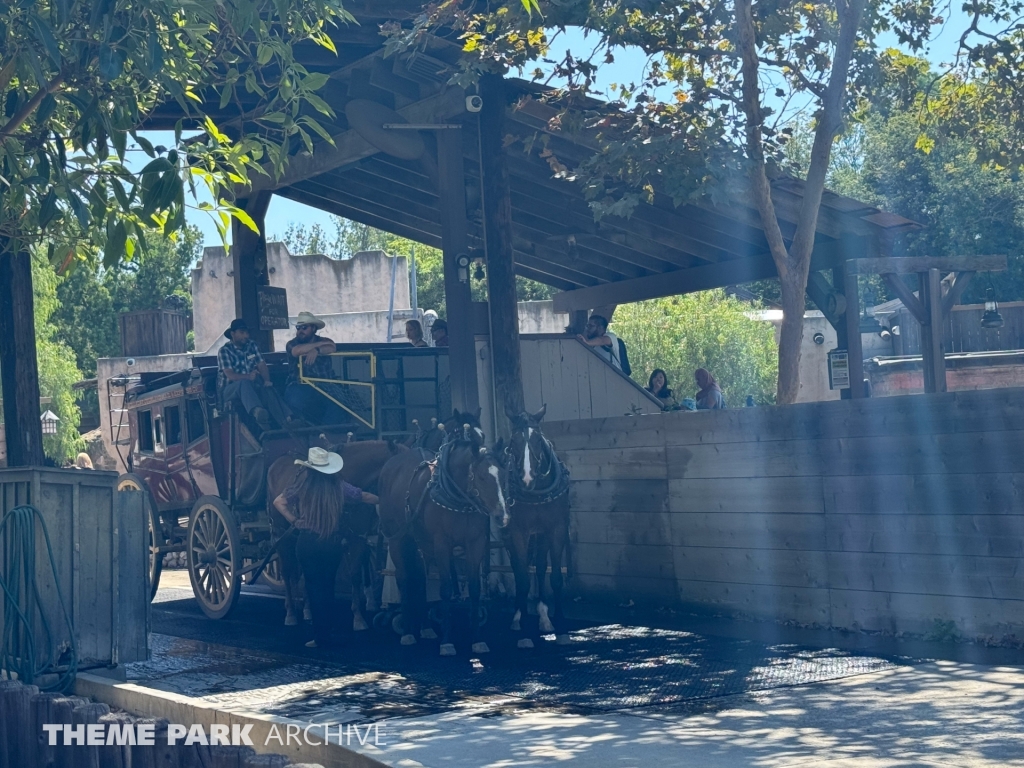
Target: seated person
<point x="604" y="342"/>
<point x="414" y="333"/>
<point x="239" y="366"/>
<point x="314" y="350"/>
<point x="710" y="395"/>
<point x="657" y="385"/>
<point x="439" y="333"/>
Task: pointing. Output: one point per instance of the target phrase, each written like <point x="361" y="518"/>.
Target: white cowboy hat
<point x="322" y="461"/>
<point x="308" y="318"/>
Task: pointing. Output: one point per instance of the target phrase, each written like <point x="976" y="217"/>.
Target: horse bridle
<point x="557" y="472"/>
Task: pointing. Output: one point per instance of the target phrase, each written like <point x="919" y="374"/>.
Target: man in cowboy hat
<point x="240" y="366"/>
<point x="314" y="351"/>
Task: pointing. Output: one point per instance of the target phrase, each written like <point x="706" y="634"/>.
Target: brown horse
<point x="363" y="464"/>
<point x="538" y="490"/>
<point x="432" y="508"/>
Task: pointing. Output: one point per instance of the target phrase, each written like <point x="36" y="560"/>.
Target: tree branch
<point x="23" y="114"/>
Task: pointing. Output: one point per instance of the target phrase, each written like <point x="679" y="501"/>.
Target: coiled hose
<point x="20" y="653"/>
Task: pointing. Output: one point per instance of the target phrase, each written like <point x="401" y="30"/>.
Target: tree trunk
<point x="790" y="338"/>
<point x="19" y="372"/>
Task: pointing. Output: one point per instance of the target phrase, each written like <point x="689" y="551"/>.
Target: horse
<point x="363" y="464"/>
<point x="431" y="508"/>
<point x="538" y="490"/>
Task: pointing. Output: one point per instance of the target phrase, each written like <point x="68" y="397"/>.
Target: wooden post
<point x="455" y="243"/>
<point x="501" y="275"/>
<point x="853" y="345"/>
<point x="43" y="712"/>
<point x="249" y="263"/>
<point x="19" y="371"/>
<point x="577" y="321"/>
<point x="933" y="358"/>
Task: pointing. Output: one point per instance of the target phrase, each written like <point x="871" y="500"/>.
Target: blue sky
<point x="628" y="66"/>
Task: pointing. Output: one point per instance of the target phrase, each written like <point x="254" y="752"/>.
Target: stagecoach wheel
<point x="214" y="556"/>
<point x="272" y="575"/>
<point x="133" y="483"/>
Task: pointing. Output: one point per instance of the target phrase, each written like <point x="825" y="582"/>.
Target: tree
<point x="91" y="297"/>
<point x="78" y="78"/>
<point x="728" y="67"/>
<point x="701" y="330"/>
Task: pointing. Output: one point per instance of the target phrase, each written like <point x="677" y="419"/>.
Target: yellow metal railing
<point x="317" y="385"/>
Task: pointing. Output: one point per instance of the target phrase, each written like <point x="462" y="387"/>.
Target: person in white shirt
<point x="604" y="342"/>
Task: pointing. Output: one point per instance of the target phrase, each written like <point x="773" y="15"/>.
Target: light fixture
<point x="991" y="318"/>
<point x="478" y="273"/>
<point x="819" y="338"/>
<point x="49" y="419"/>
<point x="868" y="323"/>
<point x="462" y="265"/>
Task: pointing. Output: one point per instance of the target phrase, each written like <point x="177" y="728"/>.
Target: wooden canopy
<point x="661" y="250"/>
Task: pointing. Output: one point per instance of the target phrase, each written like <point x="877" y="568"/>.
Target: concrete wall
<point x="540" y="317"/>
<point x="901" y="514"/>
<point x="315" y="283"/>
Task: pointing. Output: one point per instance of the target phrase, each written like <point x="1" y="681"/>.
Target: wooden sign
<point x="273" y="306"/>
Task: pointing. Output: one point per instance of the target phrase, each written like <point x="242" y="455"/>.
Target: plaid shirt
<point x="242" y="360"/>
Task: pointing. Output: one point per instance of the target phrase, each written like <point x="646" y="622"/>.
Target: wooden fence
<point x="894" y="514"/>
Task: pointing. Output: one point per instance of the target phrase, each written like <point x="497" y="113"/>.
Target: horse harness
<point x="442" y="489"/>
<point x="551" y="484"/>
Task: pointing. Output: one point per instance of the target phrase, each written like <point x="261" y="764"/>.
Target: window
<point x="172" y="424"/>
<point x="145" y="430"/>
<point x="158" y="434"/>
<point x="196" y="420"/>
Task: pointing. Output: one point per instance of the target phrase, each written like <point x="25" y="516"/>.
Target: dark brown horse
<point x="431" y="508"/>
<point x="538" y="486"/>
<point x="363" y="464"/>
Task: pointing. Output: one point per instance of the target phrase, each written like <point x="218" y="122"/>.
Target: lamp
<point x="991" y="318"/>
<point x="868" y="323"/>
<point x="49" y="420"/>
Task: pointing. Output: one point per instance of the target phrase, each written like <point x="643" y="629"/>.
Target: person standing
<point x="603" y="341"/>
<point x="314" y="504"/>
<point x="657" y="385"/>
<point x="314" y="351"/>
<point x="439" y="333"/>
<point x="414" y="333"/>
<point x="240" y="366"/>
<point x="709" y="397"/>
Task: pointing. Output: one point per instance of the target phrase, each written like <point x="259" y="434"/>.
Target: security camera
<point x="130" y="361"/>
<point x="819" y="338"/>
<point x="474" y="103"/>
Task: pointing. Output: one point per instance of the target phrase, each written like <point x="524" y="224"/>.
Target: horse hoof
<point x="447" y="649"/>
<point x="290" y="620"/>
<point x="563" y="639"/>
<point x="359" y="624"/>
<point x="515" y="621"/>
<point x="307" y="615"/>
<point x="428" y="634"/>
<point x="525" y="643"/>
<point x="408" y="640"/>
<point x="481" y="648"/>
<point x="545" y="622"/>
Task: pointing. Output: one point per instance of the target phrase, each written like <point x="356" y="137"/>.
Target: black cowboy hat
<point x="238" y="324"/>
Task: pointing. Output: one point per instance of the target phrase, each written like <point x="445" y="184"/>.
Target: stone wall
<point x="315" y="283"/>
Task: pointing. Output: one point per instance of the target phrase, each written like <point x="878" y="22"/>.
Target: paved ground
<point x="696" y="692"/>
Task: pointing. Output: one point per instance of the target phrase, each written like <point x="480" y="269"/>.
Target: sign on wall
<point x="838" y="369"/>
<point x="273" y="307"/>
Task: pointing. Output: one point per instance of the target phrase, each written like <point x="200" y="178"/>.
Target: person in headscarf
<point x="657" y="385"/>
<point x="709" y="397"/>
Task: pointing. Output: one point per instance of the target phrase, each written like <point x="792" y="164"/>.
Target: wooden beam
<point x="349" y="147"/>
<point x="956" y="290"/>
<point x="249" y="263"/>
<point x="19" y="371"/>
<point x="496" y="205"/>
<point x="455" y="244"/>
<point x="932" y="356"/>
<point x="854" y="349"/>
<point x="669" y="284"/>
<point x="907" y="265"/>
<point x="904" y="294"/>
<point x="822" y="294"/>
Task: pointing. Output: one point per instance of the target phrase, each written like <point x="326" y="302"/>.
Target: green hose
<point x="19" y="653"/>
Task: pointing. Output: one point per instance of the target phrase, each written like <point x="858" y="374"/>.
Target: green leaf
<point x="114" y="250"/>
<point x="243" y="217"/>
<point x="264" y="53"/>
<point x="315" y="80"/>
<point x="924" y="143"/>
<point x="146" y="145"/>
<point x="48" y="40"/>
<point x="48" y="208"/>
<point x="159" y="165"/>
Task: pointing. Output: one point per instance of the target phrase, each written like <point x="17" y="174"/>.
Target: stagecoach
<point x="203" y="465"/>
